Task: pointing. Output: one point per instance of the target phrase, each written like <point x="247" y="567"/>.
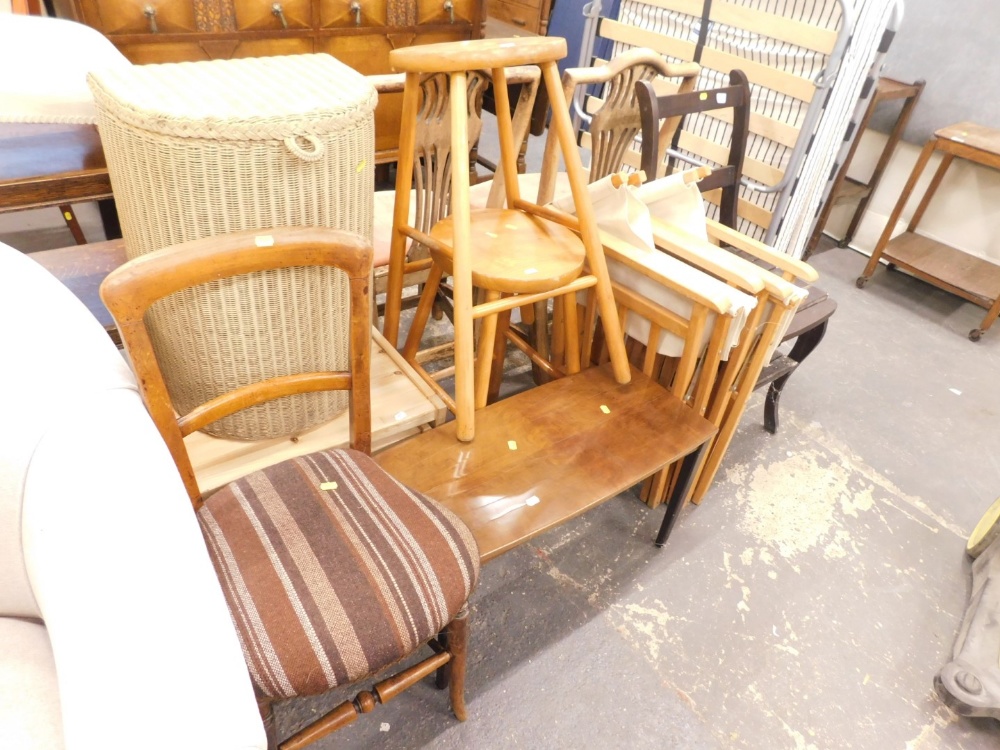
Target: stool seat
<point x="485" y="54"/>
<point x="514" y="252"/>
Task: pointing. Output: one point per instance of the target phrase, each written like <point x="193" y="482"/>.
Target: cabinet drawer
<point x="517" y="14"/>
<point x="216" y="49"/>
<point x="438" y="11"/>
<point x="139" y="16"/>
<point x="265" y="15"/>
<point x="352" y="13"/>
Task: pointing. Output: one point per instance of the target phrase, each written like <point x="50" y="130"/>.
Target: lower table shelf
<point x="949" y="268"/>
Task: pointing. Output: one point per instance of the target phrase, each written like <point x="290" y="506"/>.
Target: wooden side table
<point x="946" y="267"/>
<point x="846" y="189"/>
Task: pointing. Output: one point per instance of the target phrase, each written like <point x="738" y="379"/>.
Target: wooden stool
<point x="519" y="255"/>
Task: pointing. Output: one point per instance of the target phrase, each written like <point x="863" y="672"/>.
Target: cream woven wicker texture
<point x="207" y="148"/>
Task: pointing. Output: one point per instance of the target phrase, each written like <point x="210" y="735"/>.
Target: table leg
<point x="682" y="488"/>
<point x="897" y="211"/>
<point x="109" y="218"/>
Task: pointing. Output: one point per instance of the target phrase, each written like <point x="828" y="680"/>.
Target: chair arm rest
<point x="796" y="268"/>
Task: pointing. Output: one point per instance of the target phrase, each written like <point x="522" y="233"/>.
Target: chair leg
<point x="427" y="299"/>
<point x="109" y="218"/>
<point x="458" y="646"/>
<point x="803" y="347"/>
<point x="499" y="356"/>
<point x="484" y="353"/>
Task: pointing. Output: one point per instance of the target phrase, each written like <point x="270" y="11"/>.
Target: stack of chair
<point x="717" y="384"/>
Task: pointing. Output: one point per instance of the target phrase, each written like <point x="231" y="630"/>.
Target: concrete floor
<point x="807" y="603"/>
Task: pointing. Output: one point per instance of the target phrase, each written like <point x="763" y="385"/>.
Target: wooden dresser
<point x="360" y="33"/>
<point x="529" y="15"/>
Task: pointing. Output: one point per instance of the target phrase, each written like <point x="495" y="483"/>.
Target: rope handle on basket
<point x="318" y="148"/>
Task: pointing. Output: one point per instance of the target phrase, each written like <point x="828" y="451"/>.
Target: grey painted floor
<point x="807" y="603"/>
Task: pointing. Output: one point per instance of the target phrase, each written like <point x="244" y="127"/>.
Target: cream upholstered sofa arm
<point x="131" y="603"/>
<point x="102" y="562"/>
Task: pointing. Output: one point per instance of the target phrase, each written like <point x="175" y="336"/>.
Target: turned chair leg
<point x="457" y="638"/>
<point x="802" y="348"/>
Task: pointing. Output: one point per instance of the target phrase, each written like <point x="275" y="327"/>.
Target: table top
<point x="546" y="455"/>
<point x="33" y="150"/>
<point x="46" y="165"/>
<point x="973" y="135"/>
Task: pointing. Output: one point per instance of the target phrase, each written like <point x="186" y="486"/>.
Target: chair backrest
<point x="130" y="290"/>
<point x="615" y="121"/>
<point x="432" y="144"/>
<point x="655" y="142"/>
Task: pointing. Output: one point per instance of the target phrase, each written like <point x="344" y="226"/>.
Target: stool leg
<point x="401" y="210"/>
<point x="588" y="224"/>
<point x="484" y="360"/>
<point x="499" y="356"/>
<point x="465" y="397"/>
<point x="505" y="130"/>
<point x="424" y="307"/>
<point x="572" y="322"/>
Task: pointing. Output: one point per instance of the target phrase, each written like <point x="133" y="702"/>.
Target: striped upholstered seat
<point x="333" y="570"/>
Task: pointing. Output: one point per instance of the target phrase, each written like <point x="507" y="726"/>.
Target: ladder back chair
<point x="662" y="116"/>
<point x="518" y="255"/>
<point x="615" y="121"/>
<point x="332" y="570"/>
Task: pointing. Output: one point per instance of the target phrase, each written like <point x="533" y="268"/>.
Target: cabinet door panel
<point x="139" y="16"/>
<point x="369" y="54"/>
<point x="521" y="15"/>
<point x="352" y="13"/>
<point x="271" y="47"/>
<point x="159" y="52"/>
<point x="260" y="14"/>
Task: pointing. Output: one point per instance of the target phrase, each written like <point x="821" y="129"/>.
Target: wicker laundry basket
<point x="206" y="148"/>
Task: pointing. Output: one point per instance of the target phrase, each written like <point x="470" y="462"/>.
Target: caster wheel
<point x="890" y="267"/>
<point x="986" y="531"/>
<point x="975" y="334"/>
<point x="862" y="282"/>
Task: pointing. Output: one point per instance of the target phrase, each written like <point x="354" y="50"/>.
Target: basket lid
<point x="254" y="98"/>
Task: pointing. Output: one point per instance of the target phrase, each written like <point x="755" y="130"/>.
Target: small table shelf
<point x="974" y="279"/>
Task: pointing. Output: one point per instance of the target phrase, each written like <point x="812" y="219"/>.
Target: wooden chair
<point x="662" y="115"/>
<point x="779" y="304"/>
<point x="517" y="256"/>
<point x="332" y="570"/>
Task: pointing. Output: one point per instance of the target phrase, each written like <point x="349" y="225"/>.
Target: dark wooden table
<point x="548" y="454"/>
<point x="54" y="165"/>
